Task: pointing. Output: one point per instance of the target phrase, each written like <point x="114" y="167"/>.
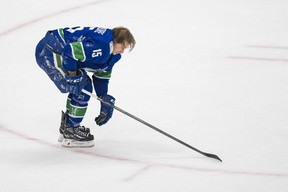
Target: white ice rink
<point x="211" y="73"/>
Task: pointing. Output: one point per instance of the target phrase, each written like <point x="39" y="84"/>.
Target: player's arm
<point x="72" y="54"/>
<point x="100" y="81"/>
<point x="101" y="78"/>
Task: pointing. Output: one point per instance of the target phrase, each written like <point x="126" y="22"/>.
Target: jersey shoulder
<point x="102" y="41"/>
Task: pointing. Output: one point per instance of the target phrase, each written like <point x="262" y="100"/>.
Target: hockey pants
<point x="51" y="63"/>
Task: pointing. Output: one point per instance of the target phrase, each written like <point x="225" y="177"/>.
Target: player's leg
<point x="51" y="64"/>
<point x="75" y="135"/>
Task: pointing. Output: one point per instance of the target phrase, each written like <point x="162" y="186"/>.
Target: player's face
<point x="119" y="48"/>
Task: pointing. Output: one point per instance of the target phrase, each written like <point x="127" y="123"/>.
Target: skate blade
<point x="60" y="138"/>
<point x="71" y="143"/>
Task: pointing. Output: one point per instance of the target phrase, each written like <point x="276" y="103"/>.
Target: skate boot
<point x="63" y="121"/>
<point x="75" y="137"/>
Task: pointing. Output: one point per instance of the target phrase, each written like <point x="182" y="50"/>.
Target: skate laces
<point x="80" y="131"/>
<point x="83" y="128"/>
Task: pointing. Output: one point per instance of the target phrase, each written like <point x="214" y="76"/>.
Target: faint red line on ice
<point x="147" y="165"/>
<point x="267" y="47"/>
<point x="26" y="137"/>
<point x="258" y="58"/>
<point x="137" y="173"/>
<point x="45" y="17"/>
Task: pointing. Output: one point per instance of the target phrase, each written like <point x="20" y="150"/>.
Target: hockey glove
<point x="76" y="83"/>
<point x="106" y="110"/>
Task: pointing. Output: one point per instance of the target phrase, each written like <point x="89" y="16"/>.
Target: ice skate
<point x="74" y="137"/>
<point x="61" y="129"/>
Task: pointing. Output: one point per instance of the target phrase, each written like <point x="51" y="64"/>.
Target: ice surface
<point x="211" y="73"/>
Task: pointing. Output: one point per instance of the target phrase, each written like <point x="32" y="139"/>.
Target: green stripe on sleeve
<point x="103" y="74"/>
<point x="78" y="51"/>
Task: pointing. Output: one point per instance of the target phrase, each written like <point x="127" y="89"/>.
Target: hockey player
<point x="66" y="55"/>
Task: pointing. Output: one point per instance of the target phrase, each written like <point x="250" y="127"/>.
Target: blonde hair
<point x="122" y="35"/>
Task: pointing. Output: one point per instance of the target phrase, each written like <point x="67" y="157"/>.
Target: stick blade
<point x="212" y="156"/>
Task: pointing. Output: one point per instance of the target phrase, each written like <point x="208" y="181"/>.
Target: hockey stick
<point x="153" y="127"/>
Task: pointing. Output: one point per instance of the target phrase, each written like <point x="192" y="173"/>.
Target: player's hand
<point x="77" y="81"/>
<point x="106" y="110"/>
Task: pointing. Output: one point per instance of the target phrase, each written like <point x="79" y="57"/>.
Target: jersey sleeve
<point x="106" y="74"/>
<point x="101" y="78"/>
<point x="71" y="54"/>
<point x="100" y="86"/>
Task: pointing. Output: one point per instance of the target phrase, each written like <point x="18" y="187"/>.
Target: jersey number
<point x="97" y="53"/>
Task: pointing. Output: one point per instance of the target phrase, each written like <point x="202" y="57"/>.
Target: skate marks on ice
<point x="145" y="165"/>
<point x="271" y="49"/>
<point x="257" y="58"/>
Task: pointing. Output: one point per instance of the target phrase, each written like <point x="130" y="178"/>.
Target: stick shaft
<point x="152" y="126"/>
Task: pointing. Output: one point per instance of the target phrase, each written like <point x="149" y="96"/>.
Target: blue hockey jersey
<point x="88" y="48"/>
